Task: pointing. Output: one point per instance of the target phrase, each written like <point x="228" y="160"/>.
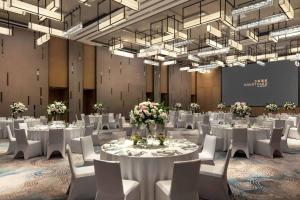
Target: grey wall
<point x="75" y="79"/>
<point x="179" y="87"/>
<point x="281" y="84"/>
<point x="120" y="81"/>
<point x="20" y="64"/>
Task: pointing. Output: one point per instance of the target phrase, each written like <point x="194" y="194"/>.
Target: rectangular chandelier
<point x="285" y="33"/>
<point x="5" y="6"/>
<point x="214" y="52"/>
<point x="193" y="58"/>
<point x="170" y="62"/>
<point x="116" y="46"/>
<point x="160" y="58"/>
<point x="151" y="62"/>
<point x="198" y="20"/>
<point x="33" y="9"/>
<point x="263" y="22"/>
<point x="184" y="68"/>
<point x="43" y="39"/>
<point x="287" y="8"/>
<point x="251" y="35"/>
<point x="5" y="31"/>
<point x="235" y="45"/>
<point x="112" y="19"/>
<point x="46" y="29"/>
<point x="132" y="4"/>
<point x="213" y="44"/>
<point x="52" y="6"/>
<point x="122" y="53"/>
<point x="252" y="7"/>
<point x="212" y="30"/>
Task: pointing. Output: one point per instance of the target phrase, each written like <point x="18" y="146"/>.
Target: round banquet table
<point x="254" y="133"/>
<point x="41" y="133"/>
<point x="148" y="165"/>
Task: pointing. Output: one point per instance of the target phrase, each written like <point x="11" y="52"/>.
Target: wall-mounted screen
<point x="276" y="82"/>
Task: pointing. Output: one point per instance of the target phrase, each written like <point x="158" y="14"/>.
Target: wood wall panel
<point x="164" y="79"/>
<point x="193" y="83"/>
<point x="23" y="73"/>
<point x="123" y="81"/>
<point x="209" y="90"/>
<point x="58" y="63"/>
<point x="89" y="67"/>
<point x="149" y="78"/>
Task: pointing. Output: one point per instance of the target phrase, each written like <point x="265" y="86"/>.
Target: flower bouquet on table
<point x="221" y="106"/>
<point x="289" y="106"/>
<point x="147" y="115"/>
<point x="177" y="106"/>
<point x="98" y="108"/>
<point x="240" y="109"/>
<point x="56" y="109"/>
<point x="17" y="109"/>
<point x="271" y="107"/>
<point x="195" y="108"/>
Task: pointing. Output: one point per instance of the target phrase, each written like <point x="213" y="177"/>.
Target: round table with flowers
<point x="149" y="163"/>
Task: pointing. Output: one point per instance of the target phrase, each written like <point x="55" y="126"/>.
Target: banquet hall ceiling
<point x="151" y="11"/>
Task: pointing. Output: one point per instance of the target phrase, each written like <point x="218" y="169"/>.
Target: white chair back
<point x="189" y="118"/>
<point x="279" y="123"/>
<point x="21" y="137"/>
<point x="87" y="146"/>
<point x="16" y="123"/>
<point x="99" y="123"/>
<point x="71" y="161"/>
<point x="56" y="136"/>
<point x="23" y="126"/>
<point x="286" y="132"/>
<point x="87" y="120"/>
<point x="82" y="116"/>
<point x="205" y="129"/>
<point x="209" y="145"/>
<point x="206" y="119"/>
<point x="43" y="120"/>
<point x="276" y="136"/>
<point x="108" y="180"/>
<point x="185" y="180"/>
<point x="89" y="130"/>
<point x="9" y="133"/>
<point x="239" y="137"/>
<point x="226" y="164"/>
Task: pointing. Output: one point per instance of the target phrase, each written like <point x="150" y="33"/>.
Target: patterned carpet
<point x="257" y="178"/>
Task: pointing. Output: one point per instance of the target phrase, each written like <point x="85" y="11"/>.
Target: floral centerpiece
<point x="98" y="107"/>
<point x="195" y="108"/>
<point x="289" y="106"/>
<point x="17" y="109"/>
<point x="271" y="107"/>
<point x="56" y="109"/>
<point x="177" y="106"/>
<point x="148" y="114"/>
<point x="221" y="106"/>
<point x="240" y="109"/>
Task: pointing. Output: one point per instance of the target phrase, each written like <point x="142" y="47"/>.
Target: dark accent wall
<point x="120" y="81"/>
<point x="23" y="73"/>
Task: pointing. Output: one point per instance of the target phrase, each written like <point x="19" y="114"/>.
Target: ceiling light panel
<point x="287" y="8"/>
<point x="43" y="39"/>
<point x="212" y="30"/>
<point x="151" y="62"/>
<point x="235" y="45"/>
<point x="213" y="44"/>
<point x="252" y="7"/>
<point x="214" y="52"/>
<point x="132" y="4"/>
<point x="5" y="31"/>
<point x="5" y="6"/>
<point x="113" y="19"/>
<point x="122" y="53"/>
<point x="251" y="35"/>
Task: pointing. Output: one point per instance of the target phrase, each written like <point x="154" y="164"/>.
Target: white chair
<point x="43" y="120"/>
<point x="207" y="154"/>
<point x="240" y="141"/>
<point x="284" y="144"/>
<point x="28" y="148"/>
<point x="270" y="147"/>
<point x="88" y="130"/>
<point x="212" y="182"/>
<point x="87" y="120"/>
<point x="23" y="126"/>
<point x="56" y="142"/>
<point x="82" y="116"/>
<point x="12" y="141"/>
<point x="83" y="181"/>
<point x="16" y="123"/>
<point x="95" y="134"/>
<point x="201" y="133"/>
<point x="205" y="119"/>
<point x="295" y="132"/>
<point x="279" y="123"/>
<point x="110" y="185"/>
<point x="183" y="185"/>
<point x="189" y="121"/>
<point x="105" y="122"/>
<point x="88" y="152"/>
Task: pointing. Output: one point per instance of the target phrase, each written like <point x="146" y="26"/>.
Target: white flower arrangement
<point x="148" y="113"/>
<point x="98" y="107"/>
<point x="271" y="107"/>
<point x="240" y="109"/>
<point x="221" y="106"/>
<point x="177" y="106"/>
<point x="18" y="108"/>
<point x="289" y="105"/>
<point x="56" y="108"/>
<point x="194" y="107"/>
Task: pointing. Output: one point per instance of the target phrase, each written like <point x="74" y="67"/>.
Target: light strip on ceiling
<point x="147" y="54"/>
<point x="116" y="46"/>
<point x="287" y="8"/>
<point x="285" y="33"/>
<point x="295" y="50"/>
<point x="266" y="56"/>
<point x="231" y="59"/>
<point x="142" y="42"/>
<point x="252" y="7"/>
<point x="46" y="29"/>
<point x="192" y="70"/>
<point x="193" y="58"/>
<point x="170" y="62"/>
<point x="251" y="35"/>
<point x="183" y="43"/>
<point x="247" y="57"/>
<point x="5" y="6"/>
<point x="33" y="9"/>
<point x="5" y="31"/>
<point x="237" y="63"/>
<point x="213" y="44"/>
<point x="263" y="22"/>
<point x="214" y="52"/>
<point x="261" y="63"/>
<point x="52" y="6"/>
<point x="218" y="63"/>
<point x="178" y="34"/>
<point x="235" y="45"/>
<point x="212" y="30"/>
<point x="160" y="58"/>
<point x="41" y="40"/>
<point x="195" y="64"/>
<point x="168" y="53"/>
<point x="194" y="21"/>
<point x="112" y="19"/>
<point x="132" y="4"/>
<point x="184" y="68"/>
<point x="151" y="62"/>
<point x="73" y="30"/>
<point x="122" y="53"/>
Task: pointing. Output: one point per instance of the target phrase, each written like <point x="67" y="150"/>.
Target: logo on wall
<point x="260" y="83"/>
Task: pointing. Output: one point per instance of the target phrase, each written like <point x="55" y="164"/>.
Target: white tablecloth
<point x="149" y="167"/>
<point x="41" y="133"/>
<point x="32" y="122"/>
<point x="254" y="134"/>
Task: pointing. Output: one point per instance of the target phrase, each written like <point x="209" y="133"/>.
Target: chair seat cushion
<point x="129" y="186"/>
<point x="92" y="157"/>
<point x="211" y="170"/>
<point x="85" y="171"/>
<point x="165" y="186"/>
<point x="265" y="141"/>
<point x="205" y="156"/>
<point x="33" y="142"/>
